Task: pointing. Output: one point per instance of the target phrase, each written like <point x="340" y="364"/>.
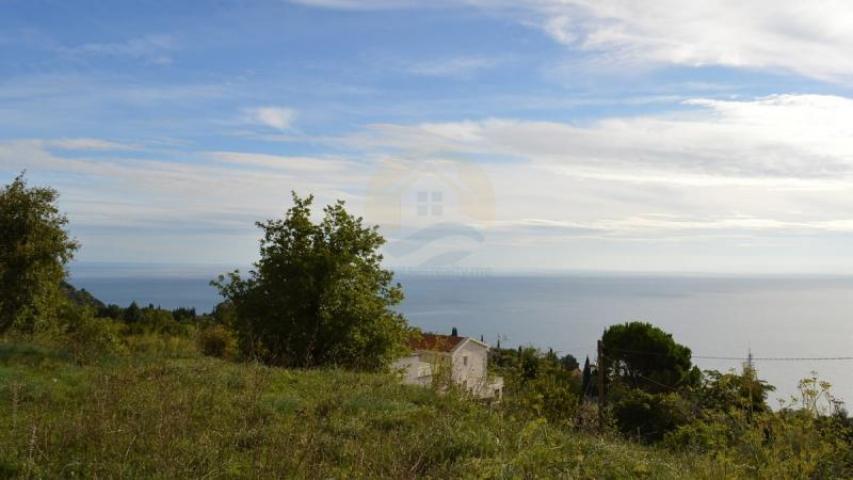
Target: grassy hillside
<point x="157" y="413"/>
<point x="165" y="416"/>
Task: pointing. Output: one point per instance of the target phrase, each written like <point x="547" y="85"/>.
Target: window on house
<point x="465" y="360"/>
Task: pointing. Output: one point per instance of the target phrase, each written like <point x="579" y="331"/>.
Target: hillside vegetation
<point x="165" y="411"/>
<point x="162" y="414"/>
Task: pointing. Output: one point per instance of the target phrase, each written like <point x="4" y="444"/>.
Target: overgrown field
<point x="157" y="414"/>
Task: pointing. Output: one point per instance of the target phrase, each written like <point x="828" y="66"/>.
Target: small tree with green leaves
<point x="318" y="295"/>
<point x="34" y="249"/>
<point x="569" y="362"/>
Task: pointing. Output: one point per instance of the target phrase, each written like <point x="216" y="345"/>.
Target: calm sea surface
<point x="721" y="317"/>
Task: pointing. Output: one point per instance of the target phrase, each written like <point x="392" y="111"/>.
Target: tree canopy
<point x="640" y="355"/>
<point x="34" y="248"/>
<point x="318" y="295"/>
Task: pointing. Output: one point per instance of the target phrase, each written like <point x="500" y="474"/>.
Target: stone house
<point x="462" y="360"/>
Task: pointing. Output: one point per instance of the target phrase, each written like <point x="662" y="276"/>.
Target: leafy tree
<point x="184" y="314"/>
<point x="537" y="383"/>
<point x="725" y="392"/>
<point x="132" y="314"/>
<point x="318" y="295"/>
<point x="569" y="362"/>
<point x="529" y="363"/>
<point x="156" y="319"/>
<point x="34" y="248"/>
<point x="224" y="313"/>
<point x="640" y="355"/>
<point x="112" y="311"/>
<point x="551" y="356"/>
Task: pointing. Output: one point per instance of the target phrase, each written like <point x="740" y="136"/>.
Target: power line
<point x="745" y="358"/>
<point x="774" y="359"/>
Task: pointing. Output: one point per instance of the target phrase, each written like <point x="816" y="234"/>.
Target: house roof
<point x="440" y="343"/>
<point x="436" y="343"/>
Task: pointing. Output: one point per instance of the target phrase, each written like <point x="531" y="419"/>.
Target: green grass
<point x="150" y="416"/>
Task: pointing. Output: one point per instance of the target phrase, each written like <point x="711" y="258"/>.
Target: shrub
<point x="217" y="341"/>
<point x="727" y="392"/>
<point x="87" y="337"/>
<point x="537" y="384"/>
<point x="160" y="345"/>
<point x="649" y="416"/>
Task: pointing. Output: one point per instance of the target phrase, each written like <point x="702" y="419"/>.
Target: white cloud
<point x="152" y="48"/>
<point x="279" y="162"/>
<point x="279" y="118"/>
<point x="811" y="39"/>
<point x="808" y="38"/>
<point x="372" y="4"/>
<point x="772" y="167"/>
<point x="452" y="67"/>
<point x="88" y="144"/>
<point x="791" y="137"/>
<point x="773" y="172"/>
<point x="173" y="193"/>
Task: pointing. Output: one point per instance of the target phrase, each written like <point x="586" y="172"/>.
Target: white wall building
<point x="464" y="359"/>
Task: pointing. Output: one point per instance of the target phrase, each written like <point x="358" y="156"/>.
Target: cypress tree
<point x="586" y="378"/>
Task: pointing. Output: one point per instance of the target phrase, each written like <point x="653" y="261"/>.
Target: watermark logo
<point x="433" y="211"/>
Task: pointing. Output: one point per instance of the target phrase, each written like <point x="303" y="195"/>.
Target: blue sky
<point x="523" y="135"/>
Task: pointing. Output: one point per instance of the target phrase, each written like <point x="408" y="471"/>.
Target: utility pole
<point x="600" y="369"/>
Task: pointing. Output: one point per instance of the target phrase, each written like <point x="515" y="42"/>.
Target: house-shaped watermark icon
<point x="433" y="212"/>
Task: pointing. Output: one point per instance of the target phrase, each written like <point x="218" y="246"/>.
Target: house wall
<point x="473" y="375"/>
<point x="414" y="370"/>
<point x="423" y="367"/>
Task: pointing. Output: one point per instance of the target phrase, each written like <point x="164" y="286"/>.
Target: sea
<point x="794" y="327"/>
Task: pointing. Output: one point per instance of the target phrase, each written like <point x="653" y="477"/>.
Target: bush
<point x="153" y="319"/>
<point x="787" y="444"/>
<point x="649" y="416"/>
<point x="537" y="384"/>
<point x="217" y="341"/>
<point x="160" y="345"/>
<point x="86" y="337"/>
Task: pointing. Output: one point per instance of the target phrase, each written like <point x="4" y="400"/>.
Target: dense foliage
<point x="318" y="294"/>
<point x="538" y="382"/>
<point x="34" y="248"/>
<point x="640" y="355"/>
<point x="163" y="411"/>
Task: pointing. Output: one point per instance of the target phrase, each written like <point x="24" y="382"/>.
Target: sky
<point x="523" y="135"/>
